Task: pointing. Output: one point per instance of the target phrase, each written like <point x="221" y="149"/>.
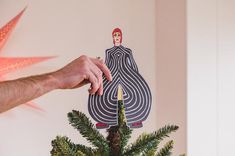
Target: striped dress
<point x="136" y="96"/>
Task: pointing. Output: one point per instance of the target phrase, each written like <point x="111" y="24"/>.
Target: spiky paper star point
<point x="11" y="64"/>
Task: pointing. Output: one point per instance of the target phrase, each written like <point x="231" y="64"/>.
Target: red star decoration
<point x="11" y="64"/>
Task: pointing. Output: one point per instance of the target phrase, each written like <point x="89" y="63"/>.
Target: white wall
<point x="211" y="31"/>
<point x="68" y="29"/>
<point x="226" y="76"/>
<point x="202" y="77"/>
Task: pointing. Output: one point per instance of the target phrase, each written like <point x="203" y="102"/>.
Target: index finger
<point x="100" y="64"/>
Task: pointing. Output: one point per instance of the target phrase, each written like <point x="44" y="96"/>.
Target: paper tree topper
<point x="127" y="85"/>
<point x="10" y="64"/>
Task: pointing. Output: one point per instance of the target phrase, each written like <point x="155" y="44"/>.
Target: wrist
<point x="53" y="81"/>
<point x="55" y="77"/>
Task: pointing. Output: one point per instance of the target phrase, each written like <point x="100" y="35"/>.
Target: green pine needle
<point x="150" y="149"/>
<point x="143" y="142"/>
<point x="86" y="150"/>
<point x="148" y="142"/>
<point x="151" y="152"/>
<point x="164" y="131"/>
<point x="125" y="133"/>
<point x="166" y="150"/>
<point x="80" y="122"/>
<point x="62" y="146"/>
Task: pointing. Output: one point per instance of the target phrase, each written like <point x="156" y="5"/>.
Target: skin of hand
<point x="78" y="73"/>
<point x="82" y="71"/>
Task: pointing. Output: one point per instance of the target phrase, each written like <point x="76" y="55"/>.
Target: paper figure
<point x="127" y="85"/>
<point x="10" y="64"/>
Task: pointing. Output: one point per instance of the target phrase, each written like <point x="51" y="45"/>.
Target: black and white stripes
<point x="137" y="97"/>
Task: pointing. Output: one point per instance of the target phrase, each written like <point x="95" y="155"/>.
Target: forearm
<point x="79" y="72"/>
<point x="16" y="92"/>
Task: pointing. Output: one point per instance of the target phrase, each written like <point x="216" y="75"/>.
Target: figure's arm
<point x="132" y="61"/>
<point x="76" y="74"/>
<point x="107" y="57"/>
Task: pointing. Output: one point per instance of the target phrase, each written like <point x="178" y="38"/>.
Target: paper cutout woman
<point x="127" y="85"/>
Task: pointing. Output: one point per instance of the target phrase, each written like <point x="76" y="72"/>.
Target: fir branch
<point x="62" y="146"/>
<point x="147" y="142"/>
<point x="150" y="153"/>
<point x="80" y="122"/>
<point x="125" y="133"/>
<point x="166" y="150"/>
<point x="151" y="149"/>
<point x="143" y="142"/>
<point x="86" y="150"/>
<point x="164" y="132"/>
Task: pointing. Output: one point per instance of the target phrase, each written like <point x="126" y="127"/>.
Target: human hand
<point x="82" y="71"/>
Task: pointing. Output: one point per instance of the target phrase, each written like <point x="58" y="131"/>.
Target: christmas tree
<point x="115" y="144"/>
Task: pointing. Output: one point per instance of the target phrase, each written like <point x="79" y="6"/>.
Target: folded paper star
<point x="6" y="30"/>
<point x="11" y="64"/>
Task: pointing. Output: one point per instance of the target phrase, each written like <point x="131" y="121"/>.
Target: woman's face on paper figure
<point x="117" y="37"/>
